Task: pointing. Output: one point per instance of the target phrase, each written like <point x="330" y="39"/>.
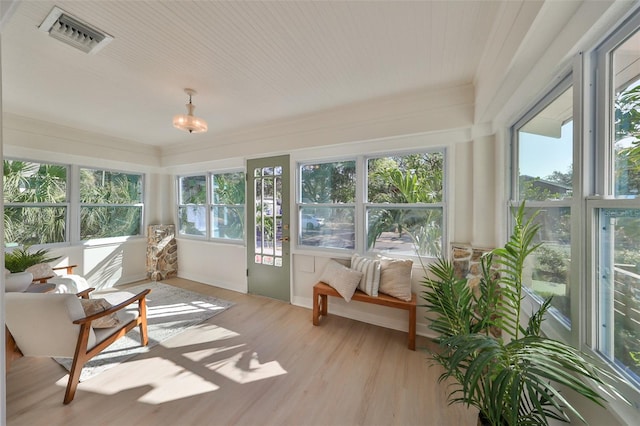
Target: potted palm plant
<point x="19" y="259"/>
<point x="509" y="371"/>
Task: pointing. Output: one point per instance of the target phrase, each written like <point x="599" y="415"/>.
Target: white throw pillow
<point x="343" y="279"/>
<point x="370" y="269"/>
<point x="395" y="278"/>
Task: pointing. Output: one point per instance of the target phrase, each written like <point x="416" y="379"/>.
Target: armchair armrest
<point x="137" y="298"/>
<point x="68" y="268"/>
<point x="84" y="294"/>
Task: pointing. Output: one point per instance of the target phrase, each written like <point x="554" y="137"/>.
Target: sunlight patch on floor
<point x="181" y="309"/>
<point x="183" y="385"/>
<point x="207" y="334"/>
<point x="200" y="355"/>
<point x="246" y="368"/>
<point x="169" y="382"/>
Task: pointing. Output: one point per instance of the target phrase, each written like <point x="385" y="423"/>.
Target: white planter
<point x="17" y="282"/>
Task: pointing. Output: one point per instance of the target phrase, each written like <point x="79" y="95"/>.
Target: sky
<point x="540" y="156"/>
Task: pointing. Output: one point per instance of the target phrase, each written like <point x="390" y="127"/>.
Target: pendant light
<point x="189" y="122"/>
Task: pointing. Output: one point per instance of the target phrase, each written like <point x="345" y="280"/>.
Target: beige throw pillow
<point x="370" y="269"/>
<point x="343" y="279"/>
<point x="94" y="306"/>
<point x="40" y="270"/>
<point x="395" y="278"/>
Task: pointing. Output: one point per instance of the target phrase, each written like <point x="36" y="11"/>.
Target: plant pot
<point x="17" y="282"/>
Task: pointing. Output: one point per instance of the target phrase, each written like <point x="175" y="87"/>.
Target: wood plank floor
<point x="261" y="362"/>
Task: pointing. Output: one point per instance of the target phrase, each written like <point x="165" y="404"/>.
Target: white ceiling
<point x="251" y="62"/>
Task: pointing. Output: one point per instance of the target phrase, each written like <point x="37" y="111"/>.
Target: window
<point x="326" y="212"/>
<point x="616" y="215"/>
<point x="227" y="209"/>
<point x="543" y="151"/>
<point x="36" y="203"/>
<point x="403" y="204"/>
<point x="404" y="212"/>
<point x="192" y="205"/>
<point x="584" y="182"/>
<point x="618" y="251"/>
<point x="110" y="204"/>
<point x="212" y="205"/>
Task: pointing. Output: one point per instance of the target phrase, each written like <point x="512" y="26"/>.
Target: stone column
<point x="162" y="252"/>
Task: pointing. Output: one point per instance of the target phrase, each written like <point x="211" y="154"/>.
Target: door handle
<point x="285" y="239"/>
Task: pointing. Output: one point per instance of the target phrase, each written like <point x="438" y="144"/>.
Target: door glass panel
<point x="268" y="216"/>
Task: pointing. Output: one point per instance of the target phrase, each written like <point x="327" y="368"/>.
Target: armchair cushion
<point x="93" y="306"/>
<point x="42" y="324"/>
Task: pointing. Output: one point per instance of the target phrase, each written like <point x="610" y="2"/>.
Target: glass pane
<point x="228" y="188"/>
<point x="227" y="222"/>
<point x="550" y="264"/>
<point x="626" y="116"/>
<point x="545" y="152"/>
<point x="34" y="225"/>
<point x="106" y="187"/>
<point x="405" y="231"/>
<point x="329" y="227"/>
<point x="104" y="222"/>
<point x="27" y="182"/>
<point x="193" y="220"/>
<point x="329" y="182"/>
<point x="415" y="178"/>
<point x="619" y="288"/>
<point x="193" y="190"/>
<point x="268" y="220"/>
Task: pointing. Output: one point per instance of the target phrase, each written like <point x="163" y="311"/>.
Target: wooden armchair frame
<point x="82" y="354"/>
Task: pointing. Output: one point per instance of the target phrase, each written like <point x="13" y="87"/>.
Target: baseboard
<point x="216" y="283"/>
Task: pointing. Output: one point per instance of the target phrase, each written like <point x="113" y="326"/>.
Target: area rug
<point x="170" y="310"/>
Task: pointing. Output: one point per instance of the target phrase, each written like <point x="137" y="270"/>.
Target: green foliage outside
<point x="229" y="190"/>
<point x="413" y="180"/>
<point x="35" y="197"/>
<point x="627" y="155"/>
<point x="627" y="183"/>
<point x="330" y="183"/>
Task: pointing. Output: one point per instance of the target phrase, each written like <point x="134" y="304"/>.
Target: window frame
<point x="554" y="325"/>
<point x="593" y="189"/>
<point x="367" y="205"/>
<point x="299" y="205"/>
<point x="361" y="205"/>
<point x="140" y="204"/>
<point x="208" y="206"/>
<point x="67" y="205"/>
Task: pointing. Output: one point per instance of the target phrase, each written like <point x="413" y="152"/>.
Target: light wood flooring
<point x="261" y="362"/>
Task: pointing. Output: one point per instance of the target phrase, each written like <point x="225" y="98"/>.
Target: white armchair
<point x="55" y="325"/>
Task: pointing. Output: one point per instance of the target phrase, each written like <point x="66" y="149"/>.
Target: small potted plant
<point x="19" y="259"/>
<point x="509" y="371"/>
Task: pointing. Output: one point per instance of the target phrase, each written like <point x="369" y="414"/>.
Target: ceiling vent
<point x="72" y="31"/>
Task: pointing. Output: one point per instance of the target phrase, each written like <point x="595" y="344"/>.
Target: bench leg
<point x="412" y="328"/>
<point x="316" y="308"/>
<point x="319" y="306"/>
<point x="323" y="305"/>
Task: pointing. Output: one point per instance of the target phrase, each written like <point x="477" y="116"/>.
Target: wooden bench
<point x="322" y="290"/>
